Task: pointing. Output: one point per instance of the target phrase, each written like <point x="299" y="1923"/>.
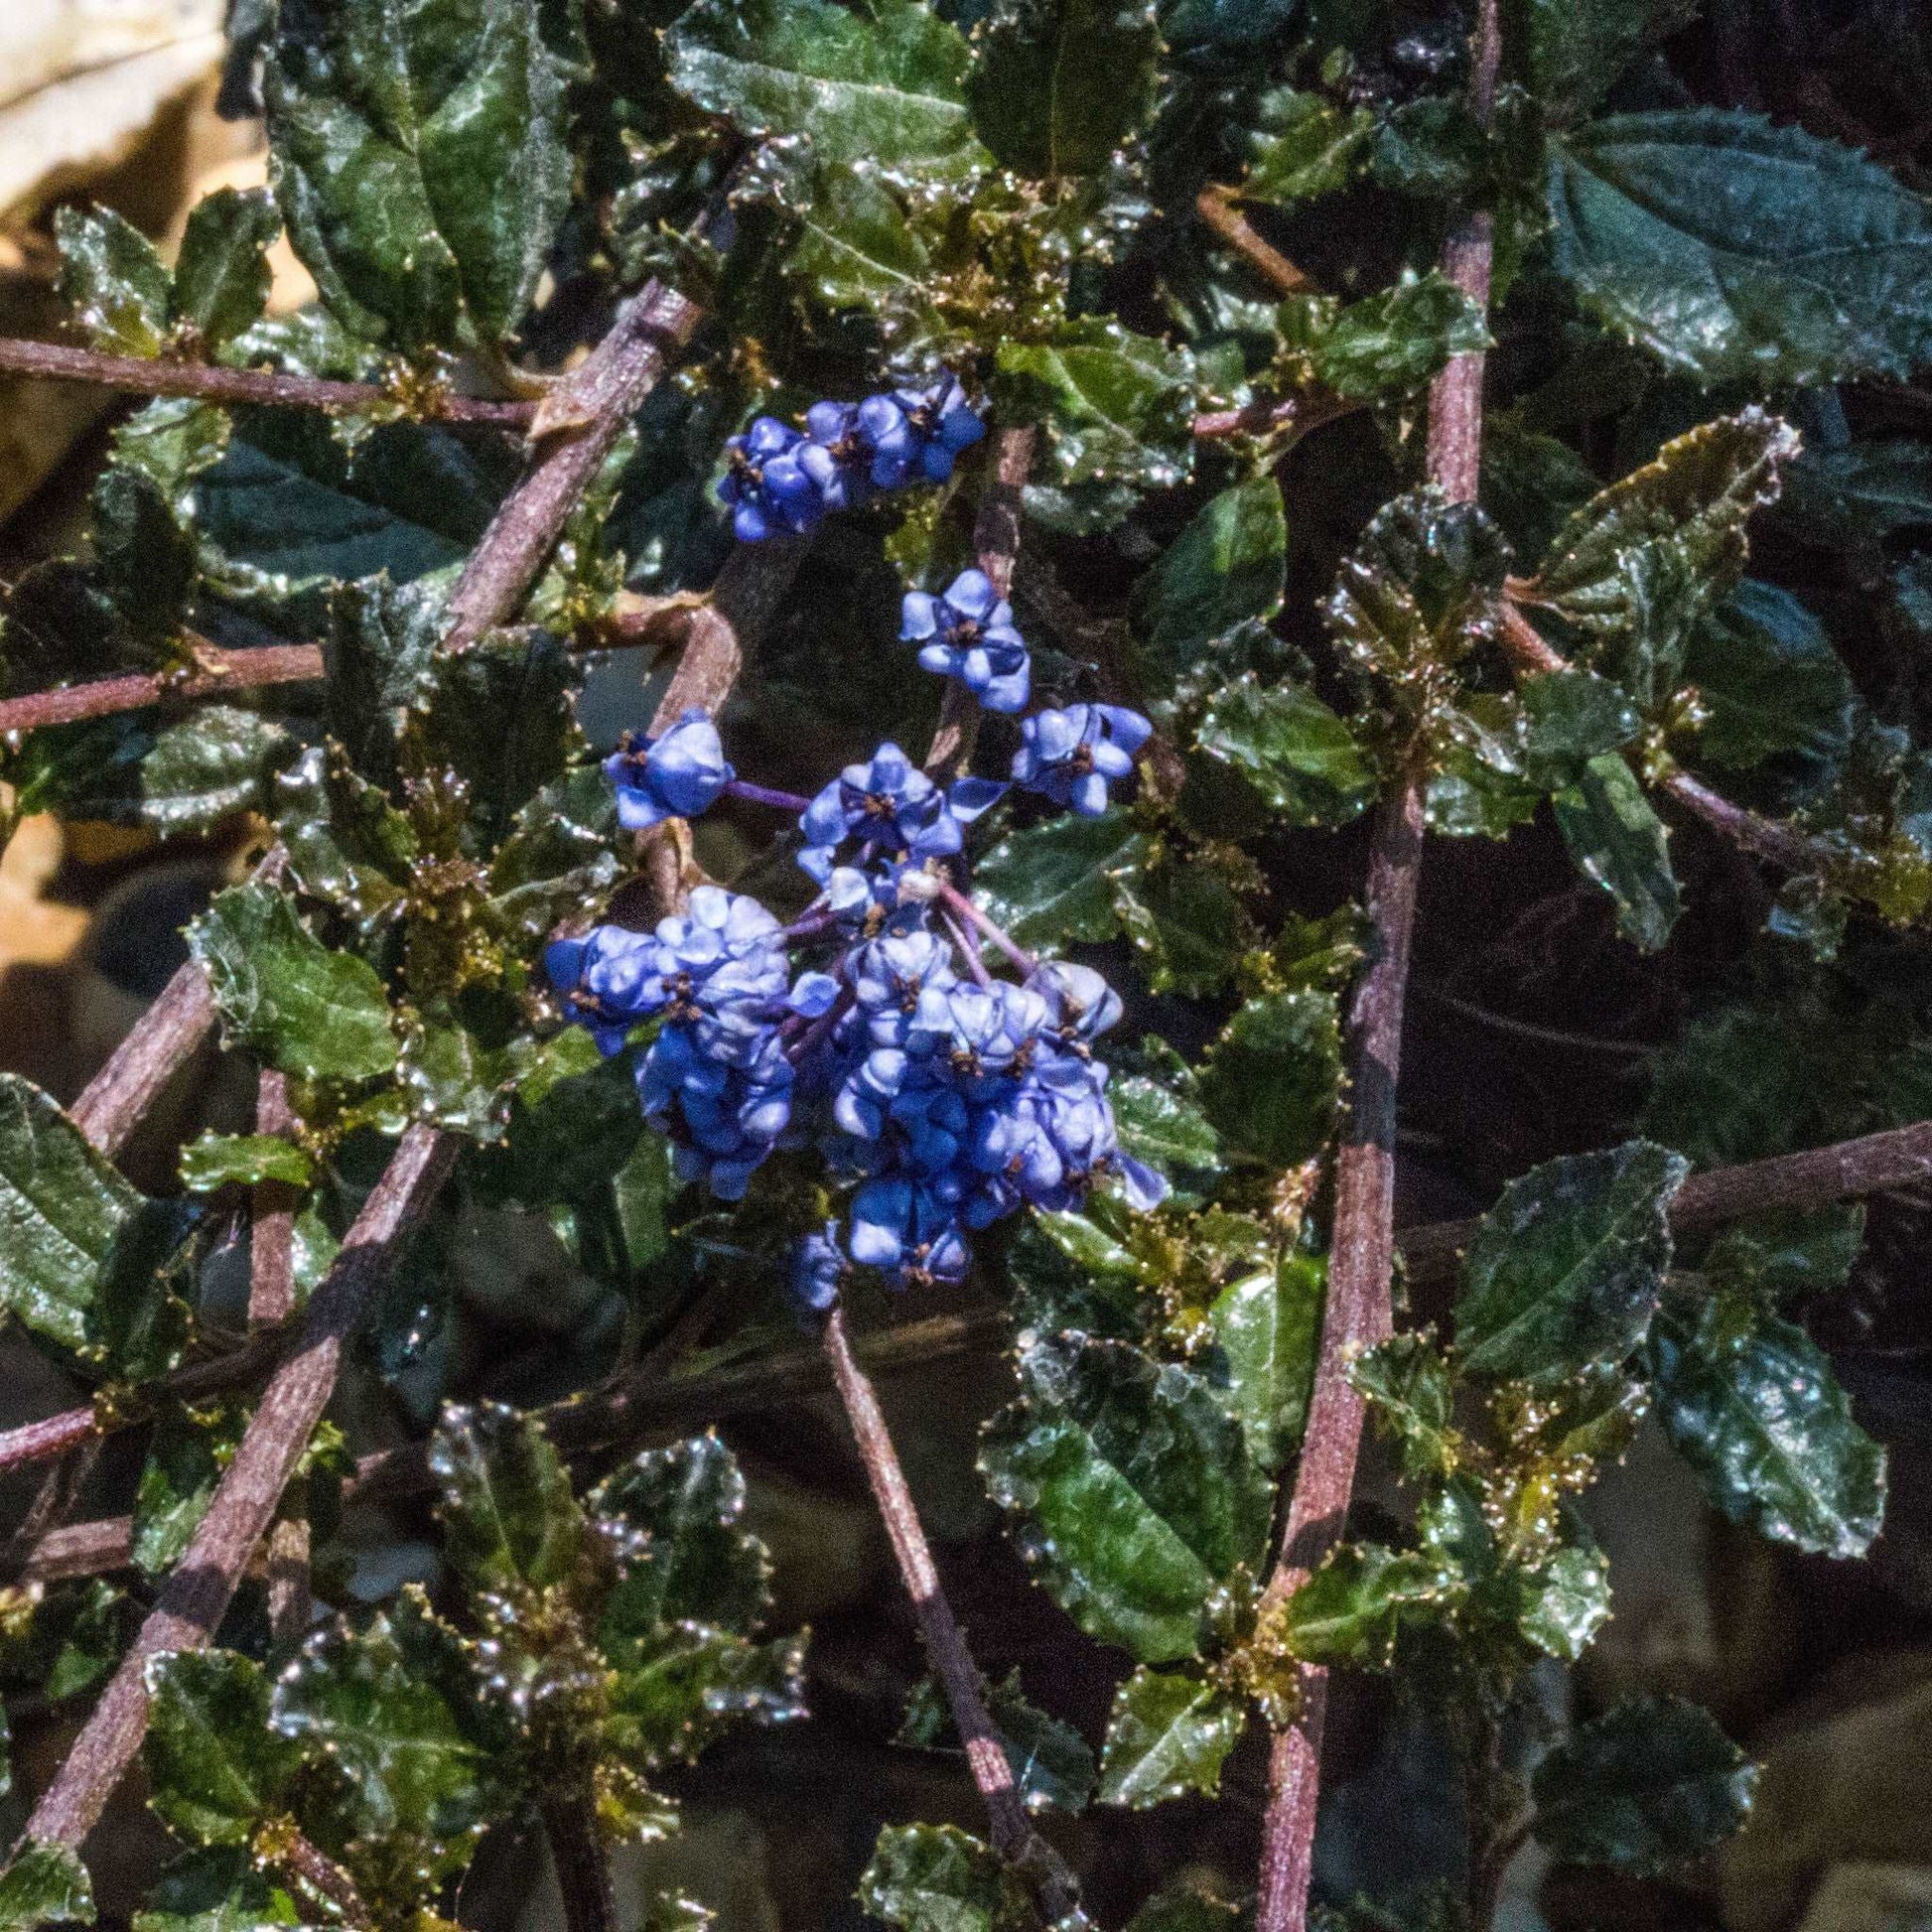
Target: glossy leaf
<point x="1067" y="1273"/>
<point x="1737" y="250"/>
<point x="510" y="1518"/>
<point x="1117" y="407"/>
<point x="1563" y="1601"/>
<point x="1187" y="919"/>
<point x="1272" y="1078"/>
<point x="1638" y="566"/>
<point x="856" y="249"/>
<point x="1772" y="1256"/>
<point x="1267" y="1327"/>
<point x="66" y="1213"/>
<point x="1756" y="1411"/>
<point x="310" y="1012"/>
<point x="1569" y="718"/>
<point x="221" y="275"/>
<point x="1397" y="339"/>
<point x="887" y="86"/>
<point x="1163" y="1126"/>
<point x="1303" y="145"/>
<point x="1227" y="565"/>
<point x="187" y="1455"/>
<point x="1169" y="1734"/>
<point x="938" y="1878"/>
<point x="1411" y="1385"/>
<point x="1566" y="1270"/>
<point x="1616" y="838"/>
<point x="242" y="1160"/>
<point x="1056" y="881"/>
<point x="113" y="280"/>
<point x="1770" y="681"/>
<point x="1025" y="110"/>
<point x="1646" y="1785"/>
<point x="1302" y="759"/>
<point x="45" y="1883"/>
<point x="419" y="162"/>
<point x="1052" y="1767"/>
<point x="216" y="1769"/>
<point x="1578" y="47"/>
<point x="208" y="767"/>
<point x="217" y="1890"/>
<point x="1133" y="1492"/>
<point x="1352" y="1608"/>
<point x="1859" y="493"/>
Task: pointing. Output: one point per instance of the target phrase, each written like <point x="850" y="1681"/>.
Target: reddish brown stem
<point x="81" y="1550"/>
<point x="583" y="1870"/>
<point x="1361" y="1262"/>
<point x="168" y="1036"/>
<point x="210" y="382"/>
<point x="945" y="1643"/>
<point x="222" y="671"/>
<point x="271" y="1234"/>
<point x="574" y="430"/>
<point x="1215" y="205"/>
<point x="196" y="1593"/>
<point x="282" y="1845"/>
<point x="996" y="538"/>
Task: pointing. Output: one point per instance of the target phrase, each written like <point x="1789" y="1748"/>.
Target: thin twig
<point x="271" y="1230"/>
<point x="1215" y="205"/>
<point x="1013" y="1836"/>
<point x="81" y="1550"/>
<point x="574" y="430"/>
<point x="996" y="538"/>
<point x="196" y="1593"/>
<point x="210" y="382"/>
<point x="166" y="1038"/>
<point x="1358" y="1310"/>
<point x="218" y="671"/>
<point x="284" y="1847"/>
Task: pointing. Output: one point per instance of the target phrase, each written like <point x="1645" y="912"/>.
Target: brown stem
<point x="1215" y="205"/>
<point x="221" y="671"/>
<point x="574" y="429"/>
<point x="996" y="538"/>
<point x="167" y="1038"/>
<point x="283" y="1845"/>
<point x="743" y="605"/>
<point x="196" y="1593"/>
<point x="582" y="1869"/>
<point x="81" y="1550"/>
<point x="945" y="1643"/>
<point x="210" y="382"/>
<point x="271" y="1234"/>
<point x="291" y="1607"/>
<point x="1361" y="1262"/>
<point x="1303" y="414"/>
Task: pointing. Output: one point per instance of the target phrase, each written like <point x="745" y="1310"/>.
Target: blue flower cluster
<point x="783" y="481"/>
<point x="1072" y="755"/>
<point x="946" y="1098"/>
<point x="967" y="633"/>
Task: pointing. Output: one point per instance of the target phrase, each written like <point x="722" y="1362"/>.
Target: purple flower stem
<point x="962" y="937"/>
<point x="781" y="801"/>
<point x="965" y="907"/>
<point x="820" y="1030"/>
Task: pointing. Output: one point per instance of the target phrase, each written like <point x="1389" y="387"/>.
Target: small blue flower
<point x="917" y="433"/>
<point x="967" y="633"/>
<point x="890" y="807"/>
<point x="677" y="775"/>
<point x="836" y="456"/>
<point x="818" y="1270"/>
<point x="1080" y="1005"/>
<point x="608" y="980"/>
<point x="767" y="487"/>
<point x="1071" y="756"/>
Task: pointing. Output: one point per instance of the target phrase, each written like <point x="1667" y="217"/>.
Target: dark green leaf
<point x="1648" y="1784"/>
<point x="855" y="247"/>
<point x="346" y="842"/>
<point x="1756" y="1411"/>
<point x="1638" y="566"/>
<point x="1117" y="407"/>
<point x="1352" y="1608"/>
<point x="1169" y="1734"/>
<point x="187" y="1455"/>
<point x="1067" y="1273"/>
<point x="1861" y="494"/>
<point x="1563" y="1602"/>
<point x="1737" y="250"/>
<point x="1052" y="1767"/>
<point x="1218" y="26"/>
<point x="65" y="1215"/>
<point x="937" y="1878"/>
<point x="887" y="85"/>
<point x="1565" y="1271"/>
<point x="1409" y="1382"/>
<point x="45" y="1883"/>
<point x="1163" y="1126"/>
<point x="310" y="1012"/>
<point x="419" y="160"/>
<point x="698" y="1562"/>
<point x="394" y="1712"/>
<point x="1134" y="1492"/>
<point x="1187" y="1905"/>
<point x="1303" y="145"/>
<point x="113" y="280"/>
<point x="216" y="1769"/>
<point x="508" y="1515"/>
<point x="675" y="1687"/>
<point x="1616" y="838"/>
<point x="1788" y="1254"/>
<point x="207" y="766"/>
<point x="226" y="1159"/>
<point x="1267" y="1326"/>
<point x="1272" y="1079"/>
<point x="221" y="275"/>
<point x="1186" y="920"/>
<point x="1569" y="718"/>
<point x="1396" y="341"/>
<point x="1227" y="565"/>
<point x="1292" y="748"/>
<point x="217" y="1890"/>
<point x="1056" y="879"/>
<point x="1578" y="47"/>
<point x="1031" y="108"/>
